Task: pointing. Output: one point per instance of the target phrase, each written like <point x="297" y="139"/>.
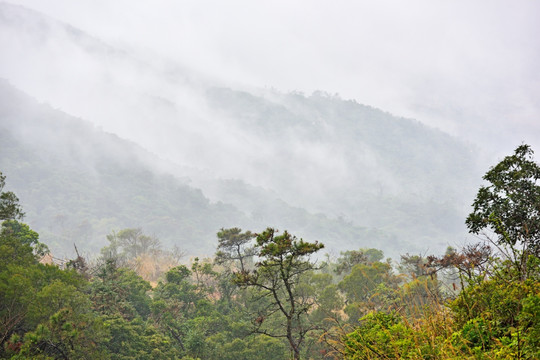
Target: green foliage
<point x="137" y="340"/>
<point x="329" y="301"/>
<point x="9" y="203"/>
<point x="234" y="246"/>
<point x="499" y="313"/>
<point x="509" y="206"/>
<point x="128" y="244"/>
<point x="379" y="335"/>
<point x="530" y="321"/>
<point x="277" y="278"/>
<point x="175" y="303"/>
<point x="496" y="313"/>
<point x="19" y="244"/>
<point x="120" y="292"/>
<point x="254" y="348"/>
<point x="179" y="291"/>
<point x="44" y="311"/>
<point x="416" y="296"/>
<point x="350" y="258"/>
<point x="262" y="297"/>
<point x="31" y="292"/>
<point x="364" y="279"/>
<point x="67" y="334"/>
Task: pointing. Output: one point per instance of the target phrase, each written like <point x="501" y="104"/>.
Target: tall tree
<point x="510" y="207"/>
<point x="277" y="284"/>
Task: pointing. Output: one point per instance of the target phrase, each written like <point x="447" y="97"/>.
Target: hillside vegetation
<point x="262" y="296"/>
<point x="79" y="184"/>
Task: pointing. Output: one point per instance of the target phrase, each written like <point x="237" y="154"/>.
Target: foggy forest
<point x="286" y="180"/>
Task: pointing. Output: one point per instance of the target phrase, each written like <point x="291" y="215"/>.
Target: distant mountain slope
<point x="355" y="162"/>
<point x="77" y="184"/>
<point x="356" y="144"/>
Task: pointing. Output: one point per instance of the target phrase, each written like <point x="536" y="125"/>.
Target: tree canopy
<point x="282" y="261"/>
<point x="9" y="203"/>
<point x="509" y="205"/>
<point x="263" y="296"/>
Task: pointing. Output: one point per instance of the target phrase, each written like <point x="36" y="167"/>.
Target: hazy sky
<point x="454" y="64"/>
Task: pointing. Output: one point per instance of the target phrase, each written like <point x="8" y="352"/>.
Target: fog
<point x="223" y="90"/>
<point x="468" y="68"/>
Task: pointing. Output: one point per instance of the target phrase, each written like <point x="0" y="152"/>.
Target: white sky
<point x="454" y="64"/>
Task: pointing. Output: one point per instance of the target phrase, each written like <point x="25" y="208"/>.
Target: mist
<point x="469" y="69"/>
<point x="265" y="94"/>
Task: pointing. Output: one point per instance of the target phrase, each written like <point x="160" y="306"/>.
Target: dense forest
<point x="271" y="295"/>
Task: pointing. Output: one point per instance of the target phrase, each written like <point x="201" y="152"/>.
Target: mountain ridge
<point x="67" y="200"/>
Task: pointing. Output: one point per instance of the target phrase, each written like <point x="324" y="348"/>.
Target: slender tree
<point x="509" y="207"/>
<point x="277" y="285"/>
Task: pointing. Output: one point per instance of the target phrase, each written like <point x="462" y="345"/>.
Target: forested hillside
<point x="264" y="296"/>
<point x="96" y="182"/>
<point x="79" y="184"/>
<point x="357" y="162"/>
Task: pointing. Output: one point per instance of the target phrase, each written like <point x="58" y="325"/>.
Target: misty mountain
<point x="78" y="183"/>
<point x="274" y="158"/>
<point x="358" y="163"/>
